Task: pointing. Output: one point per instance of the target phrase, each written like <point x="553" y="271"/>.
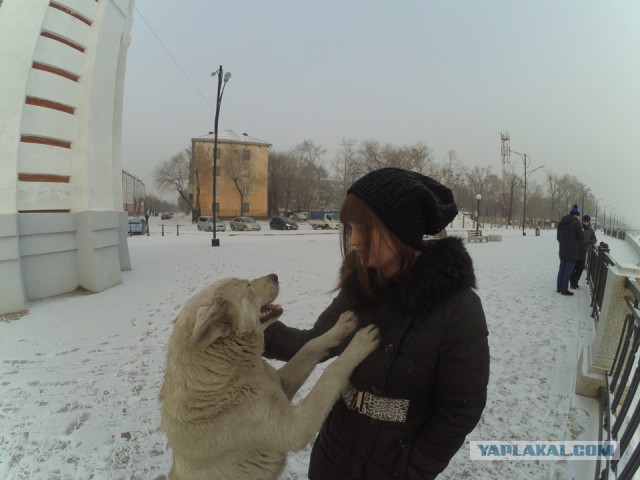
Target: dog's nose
<point x="273" y="277"/>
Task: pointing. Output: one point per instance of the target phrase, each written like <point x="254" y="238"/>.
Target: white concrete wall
<point x="49" y="253"/>
<point x="19" y="33"/>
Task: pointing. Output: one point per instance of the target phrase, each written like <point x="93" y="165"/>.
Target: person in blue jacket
<point x="409" y="405"/>
<point x="589" y="239"/>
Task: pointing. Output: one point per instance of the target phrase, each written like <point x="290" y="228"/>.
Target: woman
<point x="410" y="404"/>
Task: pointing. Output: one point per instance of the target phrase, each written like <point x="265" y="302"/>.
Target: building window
<point x="246" y="190"/>
<point x="246" y="155"/>
<point x="245" y="207"/>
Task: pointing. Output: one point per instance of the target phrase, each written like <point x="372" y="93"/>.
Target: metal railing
<point x="598" y="261"/>
<point x="620" y="409"/>
<point x="615" y="232"/>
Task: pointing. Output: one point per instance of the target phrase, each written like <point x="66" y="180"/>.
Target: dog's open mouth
<point x="270" y="311"/>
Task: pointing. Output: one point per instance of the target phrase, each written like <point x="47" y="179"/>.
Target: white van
<point x="325" y="220"/>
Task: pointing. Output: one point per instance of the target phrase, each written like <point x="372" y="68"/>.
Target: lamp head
<point x="227" y="76"/>
<point x="478" y="196"/>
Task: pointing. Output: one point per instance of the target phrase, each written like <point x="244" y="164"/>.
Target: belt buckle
<point x="357" y="402"/>
<point x="360" y="404"/>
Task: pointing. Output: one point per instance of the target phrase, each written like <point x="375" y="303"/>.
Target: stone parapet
<point x="596" y="359"/>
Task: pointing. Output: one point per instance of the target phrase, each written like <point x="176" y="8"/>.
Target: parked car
<point x="244" y="223"/>
<point x="206" y="224"/>
<point x="282" y="223"/>
<point x="138" y="226"/>
<point x="166" y="215"/>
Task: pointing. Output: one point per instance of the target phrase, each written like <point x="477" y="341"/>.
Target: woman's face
<point x="381" y="254"/>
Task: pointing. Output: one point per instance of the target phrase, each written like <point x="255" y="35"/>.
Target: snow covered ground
<point x="80" y="374"/>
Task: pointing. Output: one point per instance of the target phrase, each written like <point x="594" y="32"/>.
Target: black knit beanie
<point x="408" y="203"/>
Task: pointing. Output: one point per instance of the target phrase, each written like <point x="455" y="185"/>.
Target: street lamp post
<point x="526" y="161"/>
<point x="595" y="222"/>
<point x="478" y="197"/>
<point x="604" y="219"/>
<point x="215" y="242"/>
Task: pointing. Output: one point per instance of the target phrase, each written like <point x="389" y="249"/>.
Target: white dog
<point x="226" y="412"/>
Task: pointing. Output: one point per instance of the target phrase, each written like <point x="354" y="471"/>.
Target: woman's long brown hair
<point x="354" y="211"/>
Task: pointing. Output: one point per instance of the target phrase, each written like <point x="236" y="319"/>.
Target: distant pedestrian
<point x="589" y="239"/>
<point x="569" y="235"/>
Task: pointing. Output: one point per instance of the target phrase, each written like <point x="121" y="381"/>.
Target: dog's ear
<point x="212" y="322"/>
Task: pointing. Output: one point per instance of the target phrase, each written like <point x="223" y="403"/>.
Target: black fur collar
<point x="443" y="268"/>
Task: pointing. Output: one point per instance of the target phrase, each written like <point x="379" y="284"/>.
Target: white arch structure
<point x="62" y="224"/>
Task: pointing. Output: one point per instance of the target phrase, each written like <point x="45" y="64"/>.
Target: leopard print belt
<point x="381" y="408"/>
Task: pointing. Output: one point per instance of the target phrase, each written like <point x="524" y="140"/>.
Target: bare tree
<point x="151" y="203"/>
<point x="279" y="182"/>
<point x="452" y="174"/>
<point x="569" y="189"/>
<point x="492" y="196"/>
<point x="346" y="163"/>
<point x="553" y="190"/>
<point x="584" y="193"/>
<point x="420" y="157"/>
<point x="513" y="182"/>
<point x="297" y="180"/>
<point x="322" y="192"/>
<point x="311" y="176"/>
<point x="478" y="178"/>
<point x="535" y="200"/>
<point x="373" y="156"/>
<point x="309" y="152"/>
<point x="173" y="175"/>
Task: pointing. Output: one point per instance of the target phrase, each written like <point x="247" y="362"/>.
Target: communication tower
<point x="505" y="151"/>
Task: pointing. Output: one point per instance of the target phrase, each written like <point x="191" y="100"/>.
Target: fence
<point x="620" y="409"/>
<point x="598" y="262"/>
<point x="615" y="232"/>
<point x="177" y="229"/>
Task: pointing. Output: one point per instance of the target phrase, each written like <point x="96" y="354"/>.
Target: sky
<point x="81" y="373"/>
<point x="560" y="77"/>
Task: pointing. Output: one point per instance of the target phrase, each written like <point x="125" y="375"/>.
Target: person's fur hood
<point x="444" y="268"/>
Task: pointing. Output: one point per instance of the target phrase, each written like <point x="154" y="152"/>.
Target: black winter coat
<point x="588" y="239"/>
<point x="569" y="235"/>
<point x="434" y="351"/>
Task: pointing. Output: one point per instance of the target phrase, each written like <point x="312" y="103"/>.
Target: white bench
<point x="475" y="236"/>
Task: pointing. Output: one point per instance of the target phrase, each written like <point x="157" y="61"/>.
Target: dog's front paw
<point x="365" y="341"/>
<point x="346" y="324"/>
<point x="343" y="327"/>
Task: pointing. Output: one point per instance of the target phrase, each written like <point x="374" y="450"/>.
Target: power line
<point x="175" y="61"/>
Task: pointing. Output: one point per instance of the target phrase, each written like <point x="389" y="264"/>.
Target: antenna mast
<point x="505" y="151"/>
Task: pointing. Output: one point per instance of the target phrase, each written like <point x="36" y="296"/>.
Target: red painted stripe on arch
<point x="68" y="11"/>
